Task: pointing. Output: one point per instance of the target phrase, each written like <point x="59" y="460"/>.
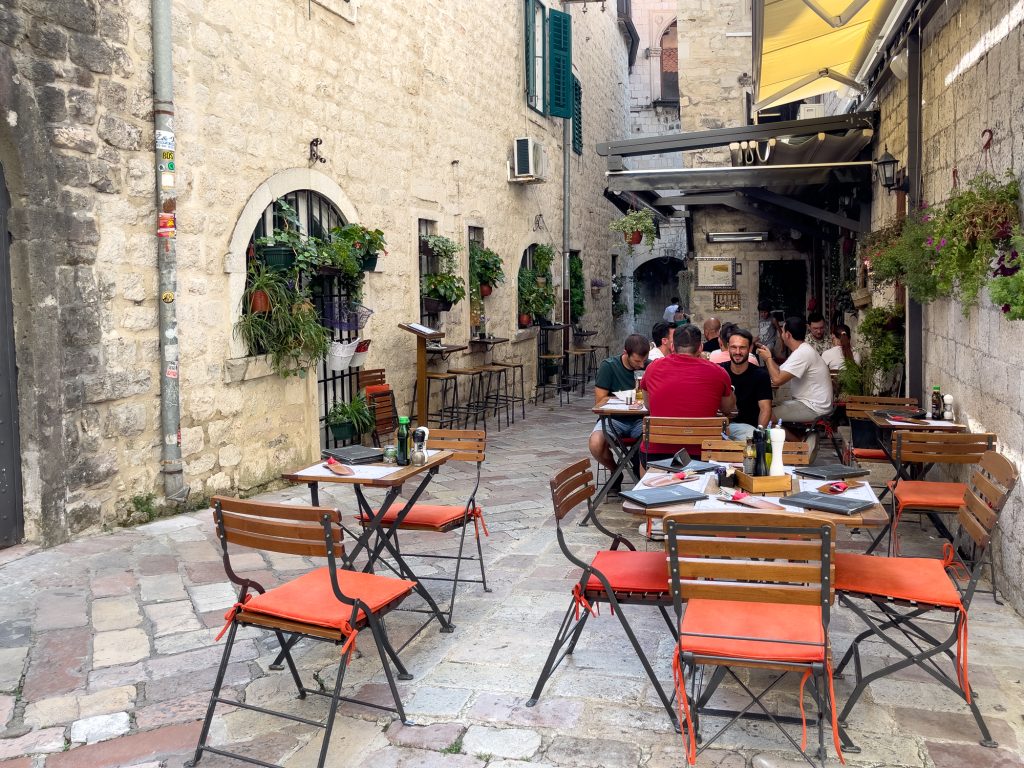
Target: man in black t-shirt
<point x="711" y="328"/>
<point x="752" y="384"/>
<point x="615" y="374"/>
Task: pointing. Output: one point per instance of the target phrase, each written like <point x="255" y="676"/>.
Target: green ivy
<point x="577" y="305"/>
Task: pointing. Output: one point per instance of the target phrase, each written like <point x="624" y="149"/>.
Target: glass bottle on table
<point x="402" y="457"/>
<point x="639" y="396"/>
<point x="936" y="403"/>
<point x="749" y="457"/>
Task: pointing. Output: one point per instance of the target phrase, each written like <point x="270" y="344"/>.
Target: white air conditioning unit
<point x="808" y="111"/>
<point x="528" y="162"/>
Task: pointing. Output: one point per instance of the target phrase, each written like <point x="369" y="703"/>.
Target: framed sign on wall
<point x="714" y="273"/>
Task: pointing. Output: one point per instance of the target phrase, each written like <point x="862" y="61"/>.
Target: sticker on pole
<point x="165" y="140"/>
<point x="165" y="225"/>
<point x="166" y="180"/>
<point x="167" y="297"/>
<point x="172" y="371"/>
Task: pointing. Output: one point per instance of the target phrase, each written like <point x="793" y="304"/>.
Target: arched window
<point x="670" y="64"/>
<point x="316" y="214"/>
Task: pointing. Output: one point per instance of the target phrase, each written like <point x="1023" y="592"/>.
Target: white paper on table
<point x="359" y="471"/>
<point x="864" y="492"/>
<point x="698" y="484"/>
<point x="620" y="406"/>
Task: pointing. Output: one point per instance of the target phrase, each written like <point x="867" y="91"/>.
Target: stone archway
<point x="656" y="283"/>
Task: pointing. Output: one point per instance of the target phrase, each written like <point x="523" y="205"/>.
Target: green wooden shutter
<point x="577" y="116"/>
<point x="531" y="85"/>
<point x="560" y="64"/>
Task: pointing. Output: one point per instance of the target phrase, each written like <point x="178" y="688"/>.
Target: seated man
<point x="685" y="385"/>
<point x="712" y="326"/>
<point x="816" y="333"/>
<point x="721" y="355"/>
<point x="811" y="387"/>
<point x="661" y="335"/>
<point x="615" y="374"/>
<point x="751" y="384"/>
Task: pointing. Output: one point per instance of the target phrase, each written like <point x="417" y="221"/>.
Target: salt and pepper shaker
<point x="947" y="403"/>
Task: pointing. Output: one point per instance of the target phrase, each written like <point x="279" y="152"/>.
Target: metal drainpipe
<point x="566" y="318"/>
<point x="175" y="489"/>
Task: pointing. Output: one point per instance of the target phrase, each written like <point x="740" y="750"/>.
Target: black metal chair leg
<point x="218" y="683"/>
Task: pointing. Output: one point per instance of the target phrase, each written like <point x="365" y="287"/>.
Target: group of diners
<point x="723" y="371"/>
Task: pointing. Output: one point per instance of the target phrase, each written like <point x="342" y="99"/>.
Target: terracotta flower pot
<point x="633" y="238"/>
<point x="524" y="320"/>
<point x="259" y="302"/>
<point x="485" y="289"/>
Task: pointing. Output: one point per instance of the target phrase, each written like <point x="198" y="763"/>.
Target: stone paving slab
<point x="110" y="640"/>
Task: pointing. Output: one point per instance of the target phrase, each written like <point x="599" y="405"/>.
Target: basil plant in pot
<point x="348" y="420"/>
<point x="443" y="289"/>
<point x="485" y="266"/>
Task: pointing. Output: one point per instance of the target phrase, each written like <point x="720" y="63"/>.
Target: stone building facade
<point x="972" y="80"/>
<point x="417" y="108"/>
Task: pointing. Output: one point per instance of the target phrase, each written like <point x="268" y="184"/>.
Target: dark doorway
<point x="783" y="284"/>
<point x="12" y="524"/>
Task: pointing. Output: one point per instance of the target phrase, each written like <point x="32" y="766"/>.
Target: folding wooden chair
<point x="381" y="400"/>
<point x="466" y="445"/>
<point x="731" y="451"/>
<point x="862" y="430"/>
<point x="898" y="591"/>
<point x="681" y="433"/>
<point x="757" y="591"/>
<point x="919" y="452"/>
<point x="615" y="576"/>
<point x="327" y="604"/>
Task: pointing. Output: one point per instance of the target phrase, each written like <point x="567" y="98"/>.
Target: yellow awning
<point x="805" y="48"/>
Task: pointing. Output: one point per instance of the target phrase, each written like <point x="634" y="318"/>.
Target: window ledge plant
<point x="445" y="286"/>
<point x="485" y="266"/>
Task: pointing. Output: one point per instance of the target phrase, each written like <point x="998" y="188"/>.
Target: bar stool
<point x="580" y="369"/>
<point x="548" y="361"/>
<point x="515" y="370"/>
<point x="447" y="416"/>
<point x="475" y="402"/>
<point x="496" y="391"/>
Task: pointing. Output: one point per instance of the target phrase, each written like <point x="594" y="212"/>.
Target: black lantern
<point x="887" y="170"/>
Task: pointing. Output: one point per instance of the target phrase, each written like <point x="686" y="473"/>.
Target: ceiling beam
<point x="721" y="137"/>
<point x="807" y="209"/>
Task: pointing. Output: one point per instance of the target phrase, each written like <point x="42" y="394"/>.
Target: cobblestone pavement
<point x="107" y="654"/>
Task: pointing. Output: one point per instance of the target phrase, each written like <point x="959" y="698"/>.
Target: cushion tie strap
<point x="478" y="515"/>
<point x="233" y="611"/>
<point x="349" y="647"/>
<point x="803" y="716"/>
<point x="951" y="564"/>
<point x="959" y="572"/>
<point x="832" y="707"/>
<point x="579" y="600"/>
<point x="683" y="705"/>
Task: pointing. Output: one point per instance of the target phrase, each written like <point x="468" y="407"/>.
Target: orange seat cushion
<point x="763" y="623"/>
<point x="870" y="454"/>
<point x="930" y="495"/>
<point x="629" y="571"/>
<point x="919" y="579"/>
<point x="425" y="515"/>
<point x="311" y="600"/>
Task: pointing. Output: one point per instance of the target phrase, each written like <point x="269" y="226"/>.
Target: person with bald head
<point x="712" y="327"/>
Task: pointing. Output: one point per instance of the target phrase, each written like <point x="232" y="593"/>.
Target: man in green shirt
<point x="615" y="374"/>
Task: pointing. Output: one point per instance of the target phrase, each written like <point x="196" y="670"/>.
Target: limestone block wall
<point x="417" y="108"/>
<point x="972" y="81"/>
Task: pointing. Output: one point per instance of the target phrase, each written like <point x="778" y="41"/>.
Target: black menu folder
<point x="837" y="504"/>
<point x="354" y="454"/>
<point x="660" y="497"/>
<point x="832" y="471"/>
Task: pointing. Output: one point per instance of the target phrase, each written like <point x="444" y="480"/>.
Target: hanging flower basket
<point x="362" y="348"/>
<point x="345" y="317"/>
<point x="340" y="355"/>
<point x="633" y="238"/>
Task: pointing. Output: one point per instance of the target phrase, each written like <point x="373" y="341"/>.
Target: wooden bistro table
<point x="623" y="454"/>
<point x="376" y="538"/>
<point x="885" y="426"/>
<point x="874" y="516"/>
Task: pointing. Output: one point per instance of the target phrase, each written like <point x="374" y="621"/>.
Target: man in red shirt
<point x="685" y="385"/>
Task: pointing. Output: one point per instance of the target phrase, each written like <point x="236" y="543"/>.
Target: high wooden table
<point x="622" y="453"/>
<point x="374" y="537"/>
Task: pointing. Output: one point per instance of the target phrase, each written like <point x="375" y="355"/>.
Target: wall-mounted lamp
<point x="585" y="3"/>
<point x="886" y="170"/>
<point x="887" y="175"/>
<point x="737" y="237"/>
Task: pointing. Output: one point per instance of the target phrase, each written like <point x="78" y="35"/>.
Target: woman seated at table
<point x="841" y="350"/>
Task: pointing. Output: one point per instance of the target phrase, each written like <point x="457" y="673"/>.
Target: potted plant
<point x="636" y="226"/>
<point x="347" y="420"/>
<point x="287" y="248"/>
<point x="264" y="288"/>
<point x="366" y="244"/>
<point x="528" y="290"/>
<point x="543" y="257"/>
<point x="596" y="284"/>
<point x="443" y="289"/>
<point x="486" y="267"/>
